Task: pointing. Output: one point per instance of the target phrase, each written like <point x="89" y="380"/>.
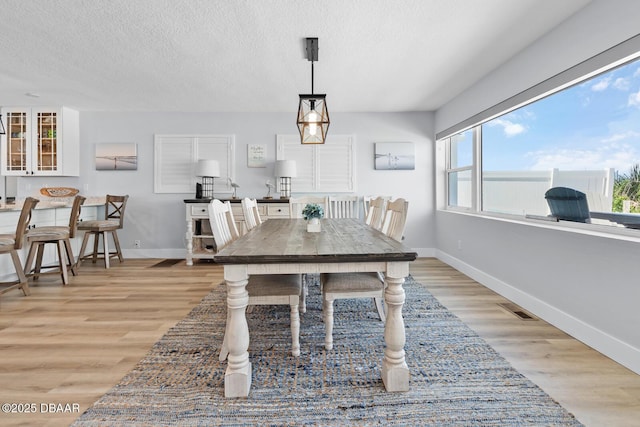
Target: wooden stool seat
<point x="49" y="232"/>
<point x="100" y="225"/>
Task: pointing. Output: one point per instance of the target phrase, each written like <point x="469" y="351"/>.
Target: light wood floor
<point x="69" y="345"/>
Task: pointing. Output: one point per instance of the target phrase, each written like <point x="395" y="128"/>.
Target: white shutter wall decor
<point x="176" y="157"/>
<point x="326" y="168"/>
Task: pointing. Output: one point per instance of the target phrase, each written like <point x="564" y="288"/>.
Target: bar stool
<point x="113" y="220"/>
<point x="61" y="237"/>
<point x="12" y="243"/>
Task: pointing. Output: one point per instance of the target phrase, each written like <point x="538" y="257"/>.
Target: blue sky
<point x="593" y="125"/>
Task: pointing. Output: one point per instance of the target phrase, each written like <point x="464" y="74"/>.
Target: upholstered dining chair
<point x="343" y="207"/>
<point x="113" y="221"/>
<point x="60" y="236"/>
<point x="12" y="243"/>
<point x="365" y="284"/>
<point x="297" y="204"/>
<point x="267" y="289"/>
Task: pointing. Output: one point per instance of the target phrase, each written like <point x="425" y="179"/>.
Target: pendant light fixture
<point x="313" y="116"/>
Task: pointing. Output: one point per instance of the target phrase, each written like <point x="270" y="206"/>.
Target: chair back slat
<point x="114" y="208"/>
<point x="78" y="201"/>
<point x="395" y="219"/>
<point x="251" y="214"/>
<point x="23" y="221"/>
<point x="297" y="204"/>
<point x="343" y="207"/>
<point x="222" y="223"/>
<point x="375" y="215"/>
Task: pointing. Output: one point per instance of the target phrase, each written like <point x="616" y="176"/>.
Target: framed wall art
<point x="256" y="156"/>
<point x="116" y="156"/>
<point x="394" y="156"/>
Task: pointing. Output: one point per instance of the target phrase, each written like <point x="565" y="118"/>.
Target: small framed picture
<point x="116" y="156"/>
<point x="256" y="156"/>
<point x="394" y="156"/>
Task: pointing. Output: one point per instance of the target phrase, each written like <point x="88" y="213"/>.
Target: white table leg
<point x="189" y="237"/>
<point x="395" y="372"/>
<point x="237" y="379"/>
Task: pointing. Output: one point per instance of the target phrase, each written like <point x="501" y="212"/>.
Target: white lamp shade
<point x="285" y="168"/>
<point x="207" y="167"/>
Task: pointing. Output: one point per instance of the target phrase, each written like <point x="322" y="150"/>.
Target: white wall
<point x="158" y="220"/>
<point x="585" y="284"/>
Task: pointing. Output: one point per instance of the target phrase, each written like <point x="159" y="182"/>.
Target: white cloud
<point x="610" y="154"/>
<point x="621" y="83"/>
<point x="508" y="127"/>
<point x="601" y="84"/>
<point x="637" y="73"/>
<point x="634" y="99"/>
<point x="621" y="136"/>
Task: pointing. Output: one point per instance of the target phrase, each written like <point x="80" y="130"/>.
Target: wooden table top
<point x="287" y="240"/>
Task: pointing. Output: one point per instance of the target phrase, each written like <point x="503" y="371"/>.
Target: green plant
<point x="627" y="187"/>
<point x="312" y="210"/>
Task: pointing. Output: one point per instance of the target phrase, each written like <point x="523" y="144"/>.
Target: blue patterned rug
<point x="457" y="379"/>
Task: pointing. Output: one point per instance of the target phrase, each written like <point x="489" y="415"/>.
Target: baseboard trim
<point x="606" y="344"/>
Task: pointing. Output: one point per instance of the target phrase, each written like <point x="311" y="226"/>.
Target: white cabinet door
<point x="41" y="141"/>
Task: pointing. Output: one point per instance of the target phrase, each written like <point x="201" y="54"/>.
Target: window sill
<point x="600" y="230"/>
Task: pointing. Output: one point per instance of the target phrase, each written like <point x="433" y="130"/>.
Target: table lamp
<point x="208" y="170"/>
<point x="285" y="170"/>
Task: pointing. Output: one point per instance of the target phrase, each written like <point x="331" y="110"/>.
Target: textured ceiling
<point x="248" y="55"/>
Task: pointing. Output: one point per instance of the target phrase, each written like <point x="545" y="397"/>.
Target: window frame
<point x="620" y="55"/>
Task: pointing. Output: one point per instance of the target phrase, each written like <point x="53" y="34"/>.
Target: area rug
<point x="457" y="379"/>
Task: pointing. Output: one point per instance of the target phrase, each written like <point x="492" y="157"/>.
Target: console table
<point x="199" y="237"/>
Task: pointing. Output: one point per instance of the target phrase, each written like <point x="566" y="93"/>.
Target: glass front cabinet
<point x="41" y="141"/>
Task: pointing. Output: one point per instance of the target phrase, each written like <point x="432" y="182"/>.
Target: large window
<point x="586" y="137"/>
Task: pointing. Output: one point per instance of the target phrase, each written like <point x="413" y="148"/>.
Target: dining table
<point x="284" y="246"/>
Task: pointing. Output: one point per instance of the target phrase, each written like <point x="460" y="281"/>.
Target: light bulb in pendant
<point x="313" y="120"/>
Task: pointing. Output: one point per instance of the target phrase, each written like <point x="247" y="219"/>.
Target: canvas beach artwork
<point x="394" y="156"/>
<point x="116" y="156"/>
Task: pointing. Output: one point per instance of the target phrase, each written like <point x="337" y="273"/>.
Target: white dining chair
<point x="251" y="213"/>
<point x="343" y="207"/>
<point x="366" y="201"/>
<point x="267" y="289"/>
<point x="376" y="212"/>
<point x="364" y="284"/>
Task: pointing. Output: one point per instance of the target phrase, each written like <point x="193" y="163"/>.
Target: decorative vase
<point x="313" y="225"/>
